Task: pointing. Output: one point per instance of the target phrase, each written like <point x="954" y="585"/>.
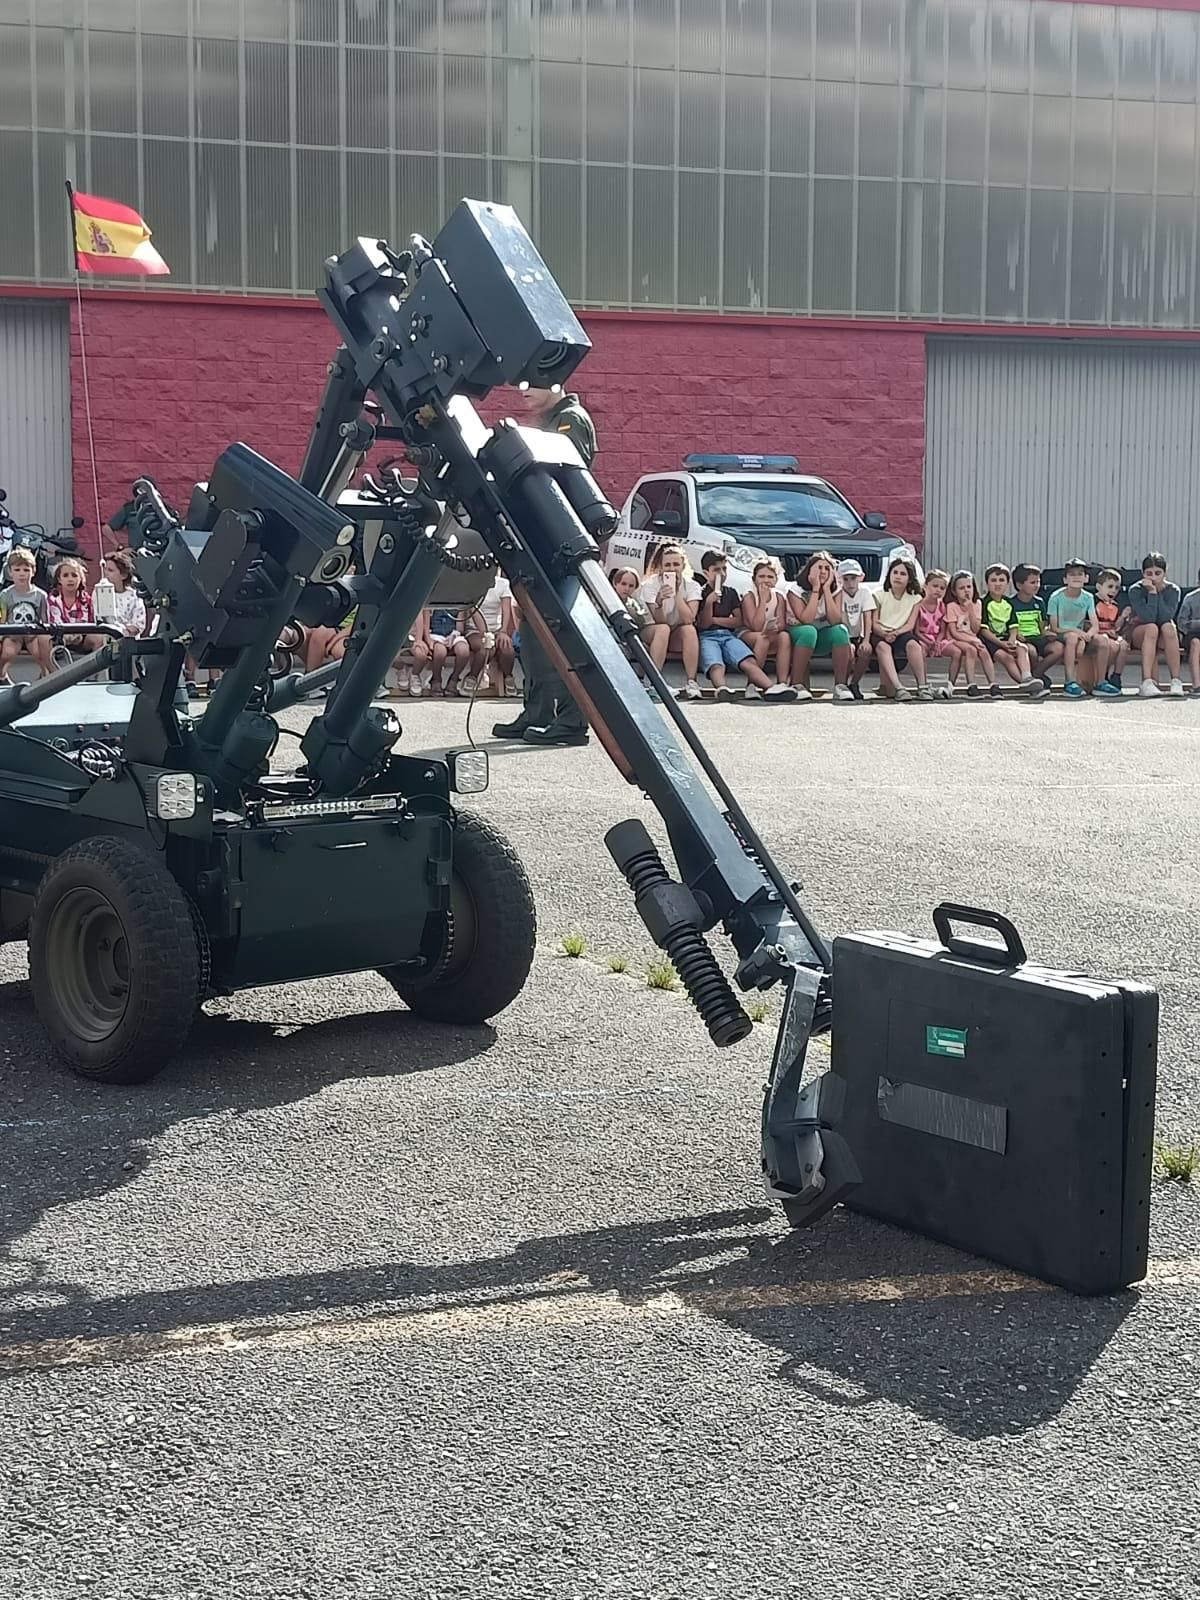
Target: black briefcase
<point x="999" y="1106"/>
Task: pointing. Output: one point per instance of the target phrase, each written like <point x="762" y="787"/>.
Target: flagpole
<point x="87" y="393"/>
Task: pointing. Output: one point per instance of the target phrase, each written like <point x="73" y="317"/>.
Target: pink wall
<point x="173" y="383"/>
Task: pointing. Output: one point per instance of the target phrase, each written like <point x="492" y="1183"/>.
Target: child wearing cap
<point x="1072" y="613"/>
<point x="857" y="605"/>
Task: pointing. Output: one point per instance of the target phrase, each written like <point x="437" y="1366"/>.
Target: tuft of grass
<point x="1178" y="1161"/>
<point x="574" y="944"/>
<point x="757" y="1010"/>
<point x="661" y="975"/>
<point x="618" y="963"/>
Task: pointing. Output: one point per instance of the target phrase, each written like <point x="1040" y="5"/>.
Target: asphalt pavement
<point x="345" y="1304"/>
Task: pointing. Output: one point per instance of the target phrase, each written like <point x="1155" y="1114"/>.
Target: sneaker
<point x="800" y="694"/>
<point x="414" y="686"/>
<point x="856" y="691"/>
<point x="1115" y="679"/>
<point x="509" y="688"/>
<point x="903" y="694"/>
<point x="995" y="691"/>
<point x="1037" y="689"/>
<point x="485" y="681"/>
<point x="692" y="690"/>
<point x="842" y="693"/>
<point x="1049" y="685"/>
<point x="753" y="692"/>
<point x="1108" y="689"/>
<point x="724" y="693"/>
<point x="1074" y="690"/>
<point x="947" y="691"/>
<point x="403" y="679"/>
<point x="924" y="692"/>
<point x="1176" y="691"/>
<point x="1149" y="689"/>
<point x="467" y="687"/>
<point x="777" y="691"/>
<point x="974" y="690"/>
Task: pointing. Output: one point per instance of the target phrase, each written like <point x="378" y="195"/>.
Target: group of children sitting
<point x="68" y="603"/>
<point x="1008" y="629"/>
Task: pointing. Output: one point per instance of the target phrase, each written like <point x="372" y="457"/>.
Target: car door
<point x="634" y="542"/>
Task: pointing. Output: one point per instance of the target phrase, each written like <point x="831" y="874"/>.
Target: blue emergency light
<point x="707" y="463"/>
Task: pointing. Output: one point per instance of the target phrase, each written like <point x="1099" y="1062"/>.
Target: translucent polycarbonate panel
<point x="1093" y="145"/>
<point x="50" y="59"/>
<point x="217" y="88"/>
<point x="560" y="109"/>
<point x="316" y="94"/>
<point x="55" y="230"/>
<point x="745" y="123"/>
<point x="1133" y="232"/>
<point x="700" y="35"/>
<point x="16" y="76"/>
<point x="218" y="215"/>
<point x="466" y="88"/>
<point x="791" y="37"/>
<point x="466" y="24"/>
<point x="652" y="40"/>
<point x="16" y="204"/>
<point x="607" y="114"/>
<point x="263" y="19"/>
<point x="318" y="215"/>
<point x="165" y="84"/>
<point x="924" y="112"/>
<point x="1004" y="298"/>
<point x="1050" y="157"/>
<point x="699" y="119"/>
<point x="654" y="117"/>
<point x="117" y="14"/>
<point x="875" y="285"/>
<point x="367" y="99"/>
<point x="1052" y="31"/>
<point x="1174" y="268"/>
<point x="925" y="42"/>
<point x="744" y="261"/>
<point x="790" y="124"/>
<point x="1011" y="42"/>
<point x="963" y="251"/>
<point x="966" y="44"/>
<point x="966" y="134"/>
<point x="787" y="245"/>
<point x="878" y="130"/>
<point x="268" y="218"/>
<point x="1049" y="229"/>
<point x="1136" y="53"/>
<point x="219" y="19"/>
<point x="881" y="41"/>
<point x="267" y="93"/>
<point x="836" y="40"/>
<point x="111" y="81"/>
<point x="1135" y="144"/>
<point x="606" y="276"/>
<point x="920" y="249"/>
<point x="1177" y="35"/>
<point x="1095" y="49"/>
<point x="416" y="102"/>
<point x="1091" y="254"/>
<point x="606" y="31"/>
<point x="112" y="169"/>
<point x="559" y="233"/>
<point x="1176" y="134"/>
<point x="833" y="129"/>
<point x="418" y="198"/>
<point x="746" y="34"/>
<point x="367" y="20"/>
<point x="416" y="24"/>
<point x="653" y="238"/>
<point x="1008" y="139"/>
<point x="698" y="252"/>
<point x="166" y="202"/>
<point x="467" y="178"/>
<point x="368" y="196"/>
<point x="832" y="245"/>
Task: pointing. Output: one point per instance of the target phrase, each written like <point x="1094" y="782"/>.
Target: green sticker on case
<point x="946" y="1042"/>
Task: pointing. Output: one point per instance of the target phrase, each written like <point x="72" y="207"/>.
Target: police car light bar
<point x="706" y="463"/>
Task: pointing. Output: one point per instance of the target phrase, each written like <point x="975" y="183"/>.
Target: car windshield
<point x="742" y="506"/>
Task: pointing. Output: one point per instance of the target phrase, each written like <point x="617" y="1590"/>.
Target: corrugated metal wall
<point x="1042" y="448"/>
<point x="35" y="412"/>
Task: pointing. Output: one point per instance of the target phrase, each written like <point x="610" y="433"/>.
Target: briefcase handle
<point x="1011" y="955"/>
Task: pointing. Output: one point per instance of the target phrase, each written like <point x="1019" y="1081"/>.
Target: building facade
<point x="942" y="250"/>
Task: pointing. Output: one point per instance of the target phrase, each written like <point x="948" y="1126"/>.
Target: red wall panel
<point x="173" y="383"/>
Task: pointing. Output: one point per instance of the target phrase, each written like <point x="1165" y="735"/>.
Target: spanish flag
<point x="112" y="239"/>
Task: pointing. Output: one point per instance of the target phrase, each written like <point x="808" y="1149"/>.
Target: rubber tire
<point x="164" y="959"/>
<point x="483" y="978"/>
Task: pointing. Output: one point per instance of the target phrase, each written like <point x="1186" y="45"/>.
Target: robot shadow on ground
<point x="994" y="1362"/>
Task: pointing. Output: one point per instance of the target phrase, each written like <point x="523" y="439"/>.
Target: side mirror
<point x="876" y="520"/>
<point x="667" y="522"/>
<point x="77" y="522"/>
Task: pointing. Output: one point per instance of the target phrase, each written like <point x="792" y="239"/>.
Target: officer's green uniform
<point x="548" y="702"/>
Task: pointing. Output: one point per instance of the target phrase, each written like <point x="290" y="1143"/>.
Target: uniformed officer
<point x="550" y="715"/>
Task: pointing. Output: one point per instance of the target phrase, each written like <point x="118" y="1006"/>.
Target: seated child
<point x="447" y="644"/>
<point x="765" y="617"/>
<point x="1072" y="613"/>
<point x="488" y="629"/>
<point x="964" y="618"/>
<point x="1112" y="618"/>
<point x="1187" y="624"/>
<point x="718" y="621"/>
<point x="1045" y="648"/>
<point x="1155" y="604"/>
<point x="24" y="605"/>
<point x="817" y="626"/>
<point x="894" y="624"/>
<point x="412" y="661"/>
<point x="71" y="605"/>
<point x="999" y="633"/>
<point x="857" y="605"/>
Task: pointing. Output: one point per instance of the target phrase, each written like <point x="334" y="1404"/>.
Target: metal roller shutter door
<point x="35" y="411"/>
<point x="1036" y="449"/>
